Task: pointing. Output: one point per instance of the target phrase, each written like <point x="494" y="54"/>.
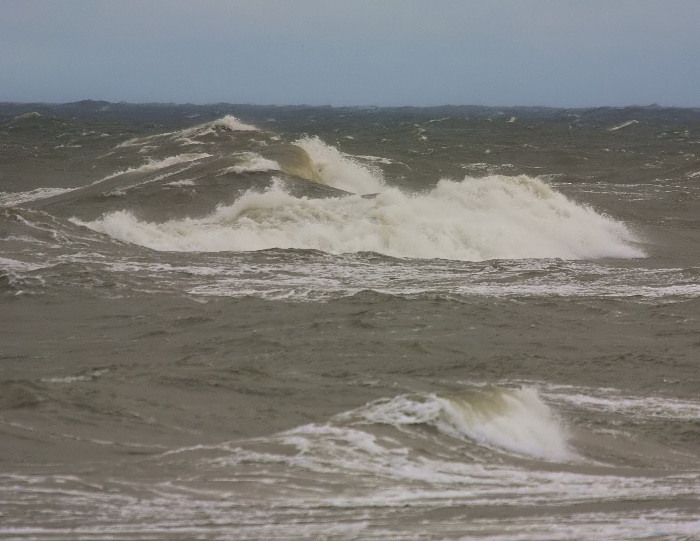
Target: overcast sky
<point x="353" y="52"/>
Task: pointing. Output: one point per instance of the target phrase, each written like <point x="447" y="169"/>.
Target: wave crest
<point x="340" y="170"/>
<point x="495" y="217"/>
<point x="515" y="420"/>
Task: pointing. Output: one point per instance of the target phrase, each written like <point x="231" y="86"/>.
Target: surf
<point x="229" y="186"/>
<point x="516" y="421"/>
<point x="475" y="219"/>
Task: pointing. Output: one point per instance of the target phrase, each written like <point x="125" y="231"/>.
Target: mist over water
<point x="358" y="323"/>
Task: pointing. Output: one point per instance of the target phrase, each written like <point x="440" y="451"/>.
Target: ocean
<point x="242" y="322"/>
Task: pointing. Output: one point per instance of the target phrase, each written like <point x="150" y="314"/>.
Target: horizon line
<point x="354" y="106"/>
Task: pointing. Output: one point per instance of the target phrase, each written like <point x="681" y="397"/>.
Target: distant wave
<point x="228" y="123"/>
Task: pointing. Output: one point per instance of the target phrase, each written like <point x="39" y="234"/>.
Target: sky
<point x="559" y="53"/>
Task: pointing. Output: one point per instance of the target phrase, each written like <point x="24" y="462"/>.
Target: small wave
<point x="469" y="427"/>
<point x="227" y="123"/>
<point x="495" y="217"/>
<point x="517" y="420"/>
<point x="230" y="122"/>
<point x="253" y="163"/>
<point x="28" y="116"/>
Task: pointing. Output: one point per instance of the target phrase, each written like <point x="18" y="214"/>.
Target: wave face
<point x="495" y="217"/>
<point x="473" y="219"/>
<point x="341" y="171"/>
<point x="514" y="420"/>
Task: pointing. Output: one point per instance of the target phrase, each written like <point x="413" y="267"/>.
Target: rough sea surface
<point x="237" y="322"/>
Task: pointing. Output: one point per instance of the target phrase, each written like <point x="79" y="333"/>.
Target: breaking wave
<point x="515" y="420"/>
<point x="340" y="170"/>
<point x="496" y="217"/>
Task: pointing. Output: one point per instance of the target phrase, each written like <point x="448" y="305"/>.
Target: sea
<point x="296" y="322"/>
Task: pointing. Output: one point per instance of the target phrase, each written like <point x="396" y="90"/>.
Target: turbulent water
<point x="290" y="322"/>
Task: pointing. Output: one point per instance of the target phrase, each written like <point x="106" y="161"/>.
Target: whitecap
<point x="495" y="217"/>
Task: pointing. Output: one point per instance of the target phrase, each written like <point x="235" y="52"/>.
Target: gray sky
<point x="353" y="52"/>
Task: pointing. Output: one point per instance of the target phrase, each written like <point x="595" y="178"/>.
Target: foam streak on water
<point x="9" y="199"/>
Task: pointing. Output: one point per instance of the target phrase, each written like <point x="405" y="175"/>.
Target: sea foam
<point x="515" y="420"/>
<point x="253" y="163"/>
<point x="232" y="123"/>
<point x="9" y="199"/>
<point x="156" y="165"/>
<point x="495" y="217"/>
<point x="227" y="123"/>
<point x="341" y="170"/>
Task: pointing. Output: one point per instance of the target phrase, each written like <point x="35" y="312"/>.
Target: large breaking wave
<point x="495" y="217"/>
<point x="473" y="219"/>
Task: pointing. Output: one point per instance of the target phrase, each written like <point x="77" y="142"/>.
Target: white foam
<point x="624" y="125"/>
<point x="232" y="123"/>
<point x="90" y="376"/>
<point x="377" y="159"/>
<point x="9" y="199"/>
<point x="21" y="266"/>
<point x="229" y="123"/>
<point x="515" y="420"/>
<point x="186" y="141"/>
<point x="155" y="165"/>
<point x="495" y="217"/>
<point x="350" y="475"/>
<point x="137" y="141"/>
<point x="184" y="137"/>
<point x="610" y="400"/>
<point x="182" y="183"/>
<point x="340" y="170"/>
<point x="25" y="116"/>
<point x="253" y="163"/>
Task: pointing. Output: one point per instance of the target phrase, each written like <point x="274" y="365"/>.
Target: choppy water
<point x="349" y="323"/>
